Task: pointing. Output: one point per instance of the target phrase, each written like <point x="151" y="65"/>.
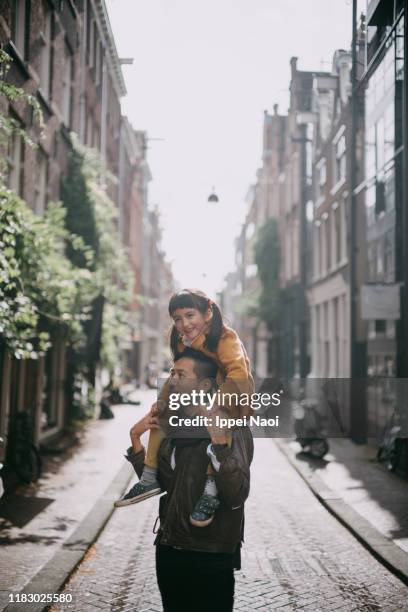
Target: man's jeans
<point x="195" y="581"/>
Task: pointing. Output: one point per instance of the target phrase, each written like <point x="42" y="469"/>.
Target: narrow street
<point x="296" y="555"/>
<point x="38" y="519"/>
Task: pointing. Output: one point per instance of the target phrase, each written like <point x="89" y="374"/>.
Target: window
<point x="380" y="143"/>
<point x="316" y="249"/>
<point x="340" y="159"/>
<point x="370" y="204"/>
<point x="98" y="63"/>
<point x="389" y="189"/>
<point x="93" y="41"/>
<point x="295" y="247"/>
<point x="371" y="262"/>
<point x="309" y="153"/>
<point x="40" y="193"/>
<point x="380" y="260"/>
<point x="389" y="256"/>
<point x="15" y="163"/>
<point x="251" y="270"/>
<point x="45" y="55"/>
<point x="399" y="51"/>
<point x="295" y="178"/>
<point x="89" y="130"/>
<point x="321" y="249"/>
<point x="326" y="341"/>
<point x="321" y="178"/>
<point x="250" y="230"/>
<point x="379" y="327"/>
<point x="389" y="132"/>
<point x="336" y="336"/>
<point x="327" y="242"/>
<point x="370" y="152"/>
<point x="67" y="88"/>
<point x="379" y="195"/>
<point x="19" y="15"/>
<point x="344" y="230"/>
<point x="336" y="232"/>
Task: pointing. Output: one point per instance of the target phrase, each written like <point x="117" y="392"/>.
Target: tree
<point x="266" y="251"/>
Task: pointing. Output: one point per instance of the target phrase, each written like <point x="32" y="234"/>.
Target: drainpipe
<point x="358" y="373"/>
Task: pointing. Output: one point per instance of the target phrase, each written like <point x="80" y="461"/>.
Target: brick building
<point x="64" y="54"/>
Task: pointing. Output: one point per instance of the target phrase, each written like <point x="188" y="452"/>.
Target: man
<point x="195" y="566"/>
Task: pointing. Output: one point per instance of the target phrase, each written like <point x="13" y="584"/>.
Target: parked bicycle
<point x="309" y="427"/>
<point x="23" y="455"/>
<point x="390" y="448"/>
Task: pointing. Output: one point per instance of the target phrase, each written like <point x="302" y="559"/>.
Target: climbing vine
<point x="266" y="251"/>
<point x="54" y="268"/>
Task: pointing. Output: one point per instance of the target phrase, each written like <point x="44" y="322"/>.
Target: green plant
<point x="8" y="125"/>
<point x="40" y="289"/>
<point x="92" y="215"/>
<point x="266" y="252"/>
<point x="55" y="268"/>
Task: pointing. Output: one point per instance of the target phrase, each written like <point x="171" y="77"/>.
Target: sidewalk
<point x="296" y="555"/>
<point x="63" y="503"/>
<point x="361" y="492"/>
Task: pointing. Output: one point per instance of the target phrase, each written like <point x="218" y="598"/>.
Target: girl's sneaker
<point x="138" y="493"/>
<point x="204" y="510"/>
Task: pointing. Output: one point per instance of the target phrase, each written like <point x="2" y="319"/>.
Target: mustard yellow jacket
<point x="234" y="371"/>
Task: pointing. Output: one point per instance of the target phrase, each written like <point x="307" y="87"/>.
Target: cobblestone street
<point x="26" y="548"/>
<point x="296" y="555"/>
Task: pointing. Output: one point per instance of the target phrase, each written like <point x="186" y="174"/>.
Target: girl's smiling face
<point x="190" y="322"/>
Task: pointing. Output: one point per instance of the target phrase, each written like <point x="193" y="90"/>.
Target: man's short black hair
<point x="204" y="366"/>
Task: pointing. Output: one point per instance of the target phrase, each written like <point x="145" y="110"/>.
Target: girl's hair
<point x="194" y="298"/>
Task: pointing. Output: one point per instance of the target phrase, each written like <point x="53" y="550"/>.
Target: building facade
<point x="64" y="54"/>
<point x="295" y="215"/>
<point x="383" y="188"/>
<point x="328" y="291"/>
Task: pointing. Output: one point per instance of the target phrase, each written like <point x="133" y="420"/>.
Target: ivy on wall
<point x="54" y="268"/>
<point x="85" y="189"/>
<point x="266" y="254"/>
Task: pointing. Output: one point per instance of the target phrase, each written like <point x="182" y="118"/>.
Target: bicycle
<point x="390" y="448"/>
<point x="22" y="454"/>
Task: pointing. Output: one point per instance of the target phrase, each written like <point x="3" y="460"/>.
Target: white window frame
<point x="45" y="55"/>
<point x="15" y="162"/>
<point x="19" y="27"/>
<point x="339" y="156"/>
<point x="316" y="249"/>
<point x="40" y="190"/>
<point x="67" y="87"/>
<point x="321" y="168"/>
<point x="98" y="63"/>
<point x="251" y="270"/>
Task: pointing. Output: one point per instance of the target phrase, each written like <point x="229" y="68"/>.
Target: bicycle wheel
<point x="27" y="462"/>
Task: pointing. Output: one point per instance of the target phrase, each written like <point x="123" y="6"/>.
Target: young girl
<point x="198" y="323"/>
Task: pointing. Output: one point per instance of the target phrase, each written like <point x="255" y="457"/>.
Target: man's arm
<point x="136" y="453"/>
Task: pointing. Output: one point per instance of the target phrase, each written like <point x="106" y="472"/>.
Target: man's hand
<point x="158" y="407"/>
<point x="218" y="434"/>
<point x="147" y="422"/>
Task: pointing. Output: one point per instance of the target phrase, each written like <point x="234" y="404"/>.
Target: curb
<point x="384" y="549"/>
<point x="56" y="572"/>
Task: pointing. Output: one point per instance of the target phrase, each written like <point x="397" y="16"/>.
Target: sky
<point x="204" y="71"/>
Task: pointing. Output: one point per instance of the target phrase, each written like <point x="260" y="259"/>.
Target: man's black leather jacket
<point x="185" y="484"/>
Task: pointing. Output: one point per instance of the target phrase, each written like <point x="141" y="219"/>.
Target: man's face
<point x="183" y="378"/>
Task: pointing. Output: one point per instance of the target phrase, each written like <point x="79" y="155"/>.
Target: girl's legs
<point x="148" y="484"/>
<point x="208" y="503"/>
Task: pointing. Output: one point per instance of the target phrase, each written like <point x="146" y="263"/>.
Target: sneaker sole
<point x="135" y="500"/>
<point x="201" y="523"/>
